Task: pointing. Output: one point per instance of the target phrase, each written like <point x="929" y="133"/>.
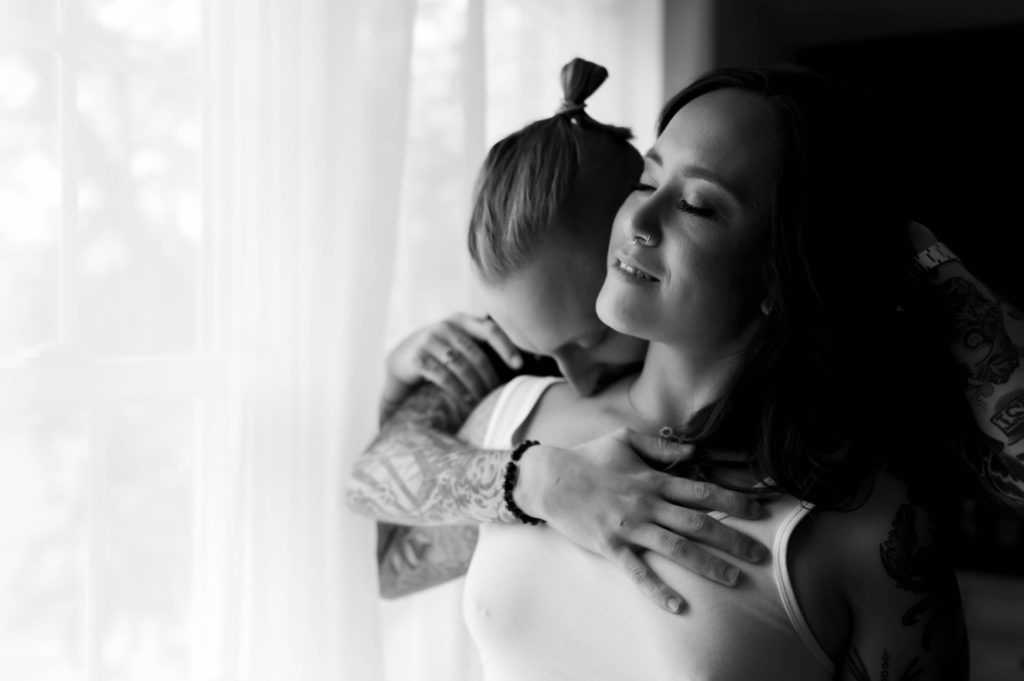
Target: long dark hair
<point x="819" y="398"/>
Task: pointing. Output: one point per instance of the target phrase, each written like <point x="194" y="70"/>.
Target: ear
<point x="766" y="307"/>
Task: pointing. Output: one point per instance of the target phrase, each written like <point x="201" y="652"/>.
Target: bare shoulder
<point x="883" y="550"/>
<point x="553" y="403"/>
<point x="869" y="539"/>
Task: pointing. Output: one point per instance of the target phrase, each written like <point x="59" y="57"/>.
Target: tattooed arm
<point x="987" y="339"/>
<point x="416" y="473"/>
<point x="413" y="557"/>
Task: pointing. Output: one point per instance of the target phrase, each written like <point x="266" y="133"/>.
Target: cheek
<point x="623" y="217"/>
<point x="720" y="270"/>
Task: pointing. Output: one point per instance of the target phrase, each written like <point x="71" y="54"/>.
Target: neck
<point x="674" y="384"/>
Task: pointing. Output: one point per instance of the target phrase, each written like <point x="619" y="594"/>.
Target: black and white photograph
<point x="511" y="340"/>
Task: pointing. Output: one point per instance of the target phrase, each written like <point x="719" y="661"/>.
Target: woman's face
<point x="704" y="199"/>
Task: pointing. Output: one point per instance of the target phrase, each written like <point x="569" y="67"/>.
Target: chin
<point x="618" y="313"/>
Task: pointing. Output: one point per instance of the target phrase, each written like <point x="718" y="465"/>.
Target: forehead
<point x="732" y="132"/>
<point x="549" y="303"/>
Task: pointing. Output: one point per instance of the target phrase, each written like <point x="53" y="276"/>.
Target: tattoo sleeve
<point x="412" y="558"/>
<point x="415" y="472"/>
<point x="987" y="340"/>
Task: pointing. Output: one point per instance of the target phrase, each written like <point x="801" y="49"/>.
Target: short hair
<point x="528" y="177"/>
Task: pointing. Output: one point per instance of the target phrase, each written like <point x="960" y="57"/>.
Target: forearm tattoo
<point x="416" y="558"/>
<point x="1000" y="473"/>
<point x="416" y="472"/>
<point x="1009" y="416"/>
<point x="979" y="337"/>
<point x="982" y="340"/>
<point x="859" y="670"/>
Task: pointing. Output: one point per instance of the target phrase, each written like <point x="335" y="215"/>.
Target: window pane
<point x="144" y="572"/>
<point x="158" y="30"/>
<point x="40" y="12"/>
<point x="29" y="200"/>
<point x="43" y="529"/>
<point x="136" y="251"/>
<point x="96" y="521"/>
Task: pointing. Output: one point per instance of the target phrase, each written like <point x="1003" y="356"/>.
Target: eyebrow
<point x="700" y="173"/>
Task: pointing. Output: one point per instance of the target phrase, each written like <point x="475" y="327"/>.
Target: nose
<point x="638" y="220"/>
<point x="581" y="373"/>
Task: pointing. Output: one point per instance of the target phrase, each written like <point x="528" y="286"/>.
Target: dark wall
<point x="956" y="102"/>
<point x="956" y="106"/>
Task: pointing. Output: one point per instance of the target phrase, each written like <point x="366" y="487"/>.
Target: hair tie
<point x="568" y="107"/>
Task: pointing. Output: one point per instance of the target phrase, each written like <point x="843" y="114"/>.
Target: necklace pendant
<point x="669" y="433"/>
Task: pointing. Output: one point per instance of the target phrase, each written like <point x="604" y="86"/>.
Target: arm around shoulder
<point x="418" y="472"/>
<point x="413" y="557"/>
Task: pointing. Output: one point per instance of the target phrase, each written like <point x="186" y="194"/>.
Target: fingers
<point x="454" y="362"/>
<point x="920" y="236"/>
<point x="488" y="331"/>
<point x="450" y="355"/>
<point x="687" y="524"/>
<point x="410" y="552"/>
<point x="707" y="496"/>
<point x="469" y="362"/>
<point x="648" y="581"/>
<point x="687" y="554"/>
<point x="433" y="365"/>
<point x="402" y="559"/>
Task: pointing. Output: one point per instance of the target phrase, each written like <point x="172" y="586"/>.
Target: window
<point x="107" y="390"/>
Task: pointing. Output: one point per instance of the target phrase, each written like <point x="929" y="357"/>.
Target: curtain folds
<point x="308" y="103"/>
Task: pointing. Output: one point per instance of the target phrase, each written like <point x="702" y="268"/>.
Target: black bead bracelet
<point x="509" y="484"/>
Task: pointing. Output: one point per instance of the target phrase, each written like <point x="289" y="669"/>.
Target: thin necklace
<point x="664" y="432"/>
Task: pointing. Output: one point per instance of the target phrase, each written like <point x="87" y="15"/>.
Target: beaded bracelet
<point x="511" y="476"/>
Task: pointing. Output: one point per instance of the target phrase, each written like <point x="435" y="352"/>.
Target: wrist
<point x="520" y="483"/>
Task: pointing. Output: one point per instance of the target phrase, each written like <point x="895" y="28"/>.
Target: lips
<point x="630" y="269"/>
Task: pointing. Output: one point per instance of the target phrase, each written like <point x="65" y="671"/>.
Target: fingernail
<point x="674" y="604"/>
<point x="757" y="553"/>
<point x="731" y="575"/>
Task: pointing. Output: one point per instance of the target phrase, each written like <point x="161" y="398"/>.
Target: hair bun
<point x="580" y="78"/>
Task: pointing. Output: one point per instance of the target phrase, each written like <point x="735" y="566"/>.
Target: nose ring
<point x="636" y="239"/>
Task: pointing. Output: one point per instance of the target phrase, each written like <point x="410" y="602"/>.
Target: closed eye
<point x="699" y="211"/>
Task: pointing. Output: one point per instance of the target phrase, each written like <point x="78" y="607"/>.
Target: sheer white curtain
<point x="218" y="215"/>
<point x="308" y="140"/>
<point x="490" y="68"/>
